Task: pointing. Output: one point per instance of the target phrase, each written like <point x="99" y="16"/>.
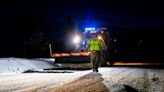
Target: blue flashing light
<point x="83" y="42"/>
<point x="89" y="29"/>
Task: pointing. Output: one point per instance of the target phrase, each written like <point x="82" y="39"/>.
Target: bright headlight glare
<point x="76" y="39"/>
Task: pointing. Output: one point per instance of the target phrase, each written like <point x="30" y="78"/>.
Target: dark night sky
<point x="123" y="14"/>
<point x="18" y="18"/>
<point x="118" y="13"/>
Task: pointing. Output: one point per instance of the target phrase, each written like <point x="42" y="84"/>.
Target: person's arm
<point x="103" y="45"/>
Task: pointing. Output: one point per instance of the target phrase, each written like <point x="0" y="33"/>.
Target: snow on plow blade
<point x="82" y="57"/>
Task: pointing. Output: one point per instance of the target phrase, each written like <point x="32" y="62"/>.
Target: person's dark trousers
<point x="95" y="60"/>
<point x="104" y="57"/>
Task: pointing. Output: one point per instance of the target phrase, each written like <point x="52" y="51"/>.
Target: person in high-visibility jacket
<point x="96" y="45"/>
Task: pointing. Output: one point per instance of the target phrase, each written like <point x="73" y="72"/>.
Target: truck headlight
<point x="76" y="39"/>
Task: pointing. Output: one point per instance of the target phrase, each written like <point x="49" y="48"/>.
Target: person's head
<point x="95" y="35"/>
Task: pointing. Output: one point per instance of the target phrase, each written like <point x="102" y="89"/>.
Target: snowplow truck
<point x="80" y="54"/>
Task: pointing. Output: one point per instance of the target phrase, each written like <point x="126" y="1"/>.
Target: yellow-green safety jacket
<point x="95" y="44"/>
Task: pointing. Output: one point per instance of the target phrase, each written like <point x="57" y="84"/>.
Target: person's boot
<point x="96" y="70"/>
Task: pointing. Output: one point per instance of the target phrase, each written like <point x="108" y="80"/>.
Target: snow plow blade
<point x="73" y="59"/>
<point x="81" y="57"/>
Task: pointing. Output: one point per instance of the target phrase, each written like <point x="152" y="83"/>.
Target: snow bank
<point x="18" y="65"/>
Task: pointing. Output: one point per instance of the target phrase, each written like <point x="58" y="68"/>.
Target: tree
<point x="37" y="45"/>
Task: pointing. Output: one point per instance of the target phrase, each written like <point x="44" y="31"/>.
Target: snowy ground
<point x="31" y="82"/>
<point x="116" y="80"/>
<point x="109" y="79"/>
<point x="18" y="65"/>
<point x="112" y="79"/>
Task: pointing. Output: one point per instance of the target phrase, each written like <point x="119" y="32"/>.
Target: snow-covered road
<point x="111" y="78"/>
<point x="34" y="81"/>
<point x="134" y="79"/>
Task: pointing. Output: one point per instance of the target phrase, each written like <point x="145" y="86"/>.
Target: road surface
<point x="108" y="79"/>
